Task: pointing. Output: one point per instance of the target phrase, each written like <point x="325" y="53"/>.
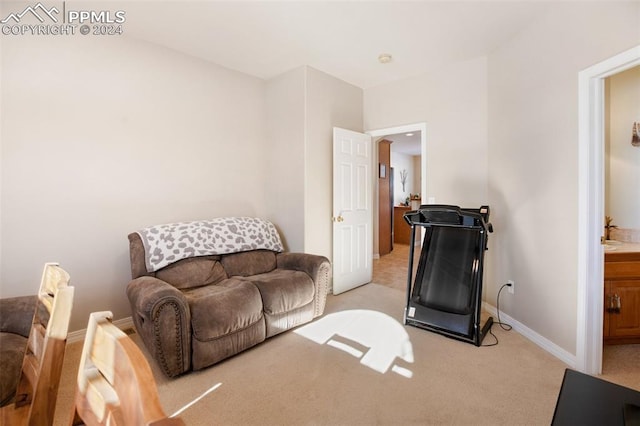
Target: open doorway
<point x="621" y="344"/>
<point x="591" y="207"/>
<point x="407" y="177"/>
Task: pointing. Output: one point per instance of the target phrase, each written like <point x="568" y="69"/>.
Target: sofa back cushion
<point x="249" y="263"/>
<point x="193" y="272"/>
<point x="136" y="256"/>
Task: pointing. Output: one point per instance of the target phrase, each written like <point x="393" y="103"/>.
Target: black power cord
<point x="503" y="325"/>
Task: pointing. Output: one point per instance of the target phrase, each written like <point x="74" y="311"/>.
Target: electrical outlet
<point x="512" y="287"/>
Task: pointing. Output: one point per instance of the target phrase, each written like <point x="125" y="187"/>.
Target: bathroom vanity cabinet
<point x="622" y="297"/>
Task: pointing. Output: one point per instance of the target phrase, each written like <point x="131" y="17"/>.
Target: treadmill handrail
<point x="413" y="217"/>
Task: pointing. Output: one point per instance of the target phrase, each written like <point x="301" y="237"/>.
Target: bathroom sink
<point x="610" y="245"/>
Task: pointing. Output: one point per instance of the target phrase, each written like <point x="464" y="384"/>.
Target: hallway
<point x="391" y="270"/>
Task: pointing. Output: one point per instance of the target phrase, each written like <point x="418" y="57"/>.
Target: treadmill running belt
<point x="448" y="269"/>
<point x="445" y="293"/>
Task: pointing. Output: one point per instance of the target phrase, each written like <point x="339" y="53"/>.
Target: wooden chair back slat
<point x="37" y="389"/>
<point x="36" y="340"/>
<point x="115" y="383"/>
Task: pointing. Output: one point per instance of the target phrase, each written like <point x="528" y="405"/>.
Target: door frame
<point x="414" y="127"/>
<point x="590" y="292"/>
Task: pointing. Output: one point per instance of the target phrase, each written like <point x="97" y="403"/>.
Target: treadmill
<point x="446" y="295"/>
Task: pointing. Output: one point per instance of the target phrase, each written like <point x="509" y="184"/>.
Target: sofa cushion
<point x="16" y="314"/>
<point x="249" y="263"/>
<point x="283" y="290"/>
<point x="193" y="272"/>
<point x="12" y="347"/>
<point x="224" y="308"/>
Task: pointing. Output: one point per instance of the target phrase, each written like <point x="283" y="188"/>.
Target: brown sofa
<point x="199" y="310"/>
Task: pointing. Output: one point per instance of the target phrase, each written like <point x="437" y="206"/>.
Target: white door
<point x="352" y="210"/>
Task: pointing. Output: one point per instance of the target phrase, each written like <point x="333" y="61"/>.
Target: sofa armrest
<point x="16" y="314"/>
<point x="317" y="267"/>
<point x="162" y="317"/>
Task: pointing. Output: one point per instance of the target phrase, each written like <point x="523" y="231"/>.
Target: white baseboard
<point x="78" y="336"/>
<point x="536" y="338"/>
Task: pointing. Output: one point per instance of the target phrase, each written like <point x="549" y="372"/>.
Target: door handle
<point x="614" y="304"/>
<point x="338" y="219"/>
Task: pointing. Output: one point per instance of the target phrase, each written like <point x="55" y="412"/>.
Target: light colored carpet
<point x="290" y="379"/>
<point x="621" y="365"/>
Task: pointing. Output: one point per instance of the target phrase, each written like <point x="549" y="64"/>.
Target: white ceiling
<point x="344" y="39"/>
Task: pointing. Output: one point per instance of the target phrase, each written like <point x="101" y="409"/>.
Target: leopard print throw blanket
<point x="165" y="244"/>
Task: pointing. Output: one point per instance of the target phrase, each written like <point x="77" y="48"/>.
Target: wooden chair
<point x="37" y="389"/>
<point x="115" y="383"/>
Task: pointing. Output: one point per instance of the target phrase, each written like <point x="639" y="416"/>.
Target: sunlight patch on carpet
<point x="207" y="392"/>
<point x="385" y="338"/>
<point x="345" y="348"/>
<point x="402" y="371"/>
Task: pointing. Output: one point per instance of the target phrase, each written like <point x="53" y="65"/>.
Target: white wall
<point x="453" y="103"/>
<point x="285" y="138"/>
<point x="401" y="162"/>
<point x="330" y="103"/>
<point x="303" y="106"/>
<point x="623" y="159"/>
<point x="533" y="157"/>
<point x="101" y="137"/>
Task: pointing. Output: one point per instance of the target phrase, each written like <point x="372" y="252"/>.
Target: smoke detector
<point x="384" y="58"/>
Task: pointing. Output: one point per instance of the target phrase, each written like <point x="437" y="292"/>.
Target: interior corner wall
<point x="104" y="136"/>
<point x="452" y="101"/>
<point x="285" y="182"/>
<point x="533" y="157"/>
<point x="303" y="106"/>
<point x="330" y="103"/>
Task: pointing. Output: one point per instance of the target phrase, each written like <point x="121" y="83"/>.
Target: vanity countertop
<point x="621" y="252"/>
<point x="621" y="247"/>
